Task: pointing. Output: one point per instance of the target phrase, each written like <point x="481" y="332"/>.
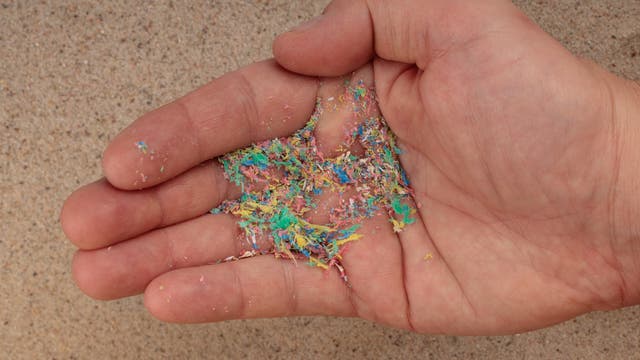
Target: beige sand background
<point x="72" y="73"/>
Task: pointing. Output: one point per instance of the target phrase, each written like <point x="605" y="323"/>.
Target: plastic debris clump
<point x="281" y="180"/>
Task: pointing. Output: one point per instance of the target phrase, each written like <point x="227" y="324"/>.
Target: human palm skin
<point x="517" y="151"/>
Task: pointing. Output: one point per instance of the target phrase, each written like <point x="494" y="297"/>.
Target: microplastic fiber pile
<point x="282" y="178"/>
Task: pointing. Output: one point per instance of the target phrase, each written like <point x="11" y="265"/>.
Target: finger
<point x="98" y="215"/>
<point x="345" y="29"/>
<point x="258" y="102"/>
<point x="251" y="288"/>
<point x="126" y="268"/>
<point x="350" y="31"/>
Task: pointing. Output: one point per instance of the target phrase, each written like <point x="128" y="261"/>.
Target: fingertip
<point x="154" y="148"/>
<point x="333" y="44"/>
<point x="152" y="301"/>
<point x="114" y="169"/>
<point x="291" y="52"/>
<point x="97" y="215"/>
<point x="84" y="278"/>
<point x="131" y="163"/>
<point x="66" y="220"/>
<point x="73" y="217"/>
<point x="160" y="298"/>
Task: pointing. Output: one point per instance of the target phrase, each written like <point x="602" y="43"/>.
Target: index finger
<point x="257" y="102"/>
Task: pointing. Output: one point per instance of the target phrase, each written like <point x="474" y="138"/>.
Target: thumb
<point x="332" y="44"/>
<point x="350" y="32"/>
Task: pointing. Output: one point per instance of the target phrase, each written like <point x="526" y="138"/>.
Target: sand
<point x="73" y="73"/>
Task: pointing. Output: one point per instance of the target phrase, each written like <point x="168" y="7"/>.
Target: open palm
<point x="509" y="143"/>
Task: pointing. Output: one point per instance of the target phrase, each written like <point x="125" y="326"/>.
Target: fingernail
<point x="307" y="24"/>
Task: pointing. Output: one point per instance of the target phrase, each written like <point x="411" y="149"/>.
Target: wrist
<point x="625" y="195"/>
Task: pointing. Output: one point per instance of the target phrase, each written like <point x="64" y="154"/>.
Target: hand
<point x="514" y="147"/>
